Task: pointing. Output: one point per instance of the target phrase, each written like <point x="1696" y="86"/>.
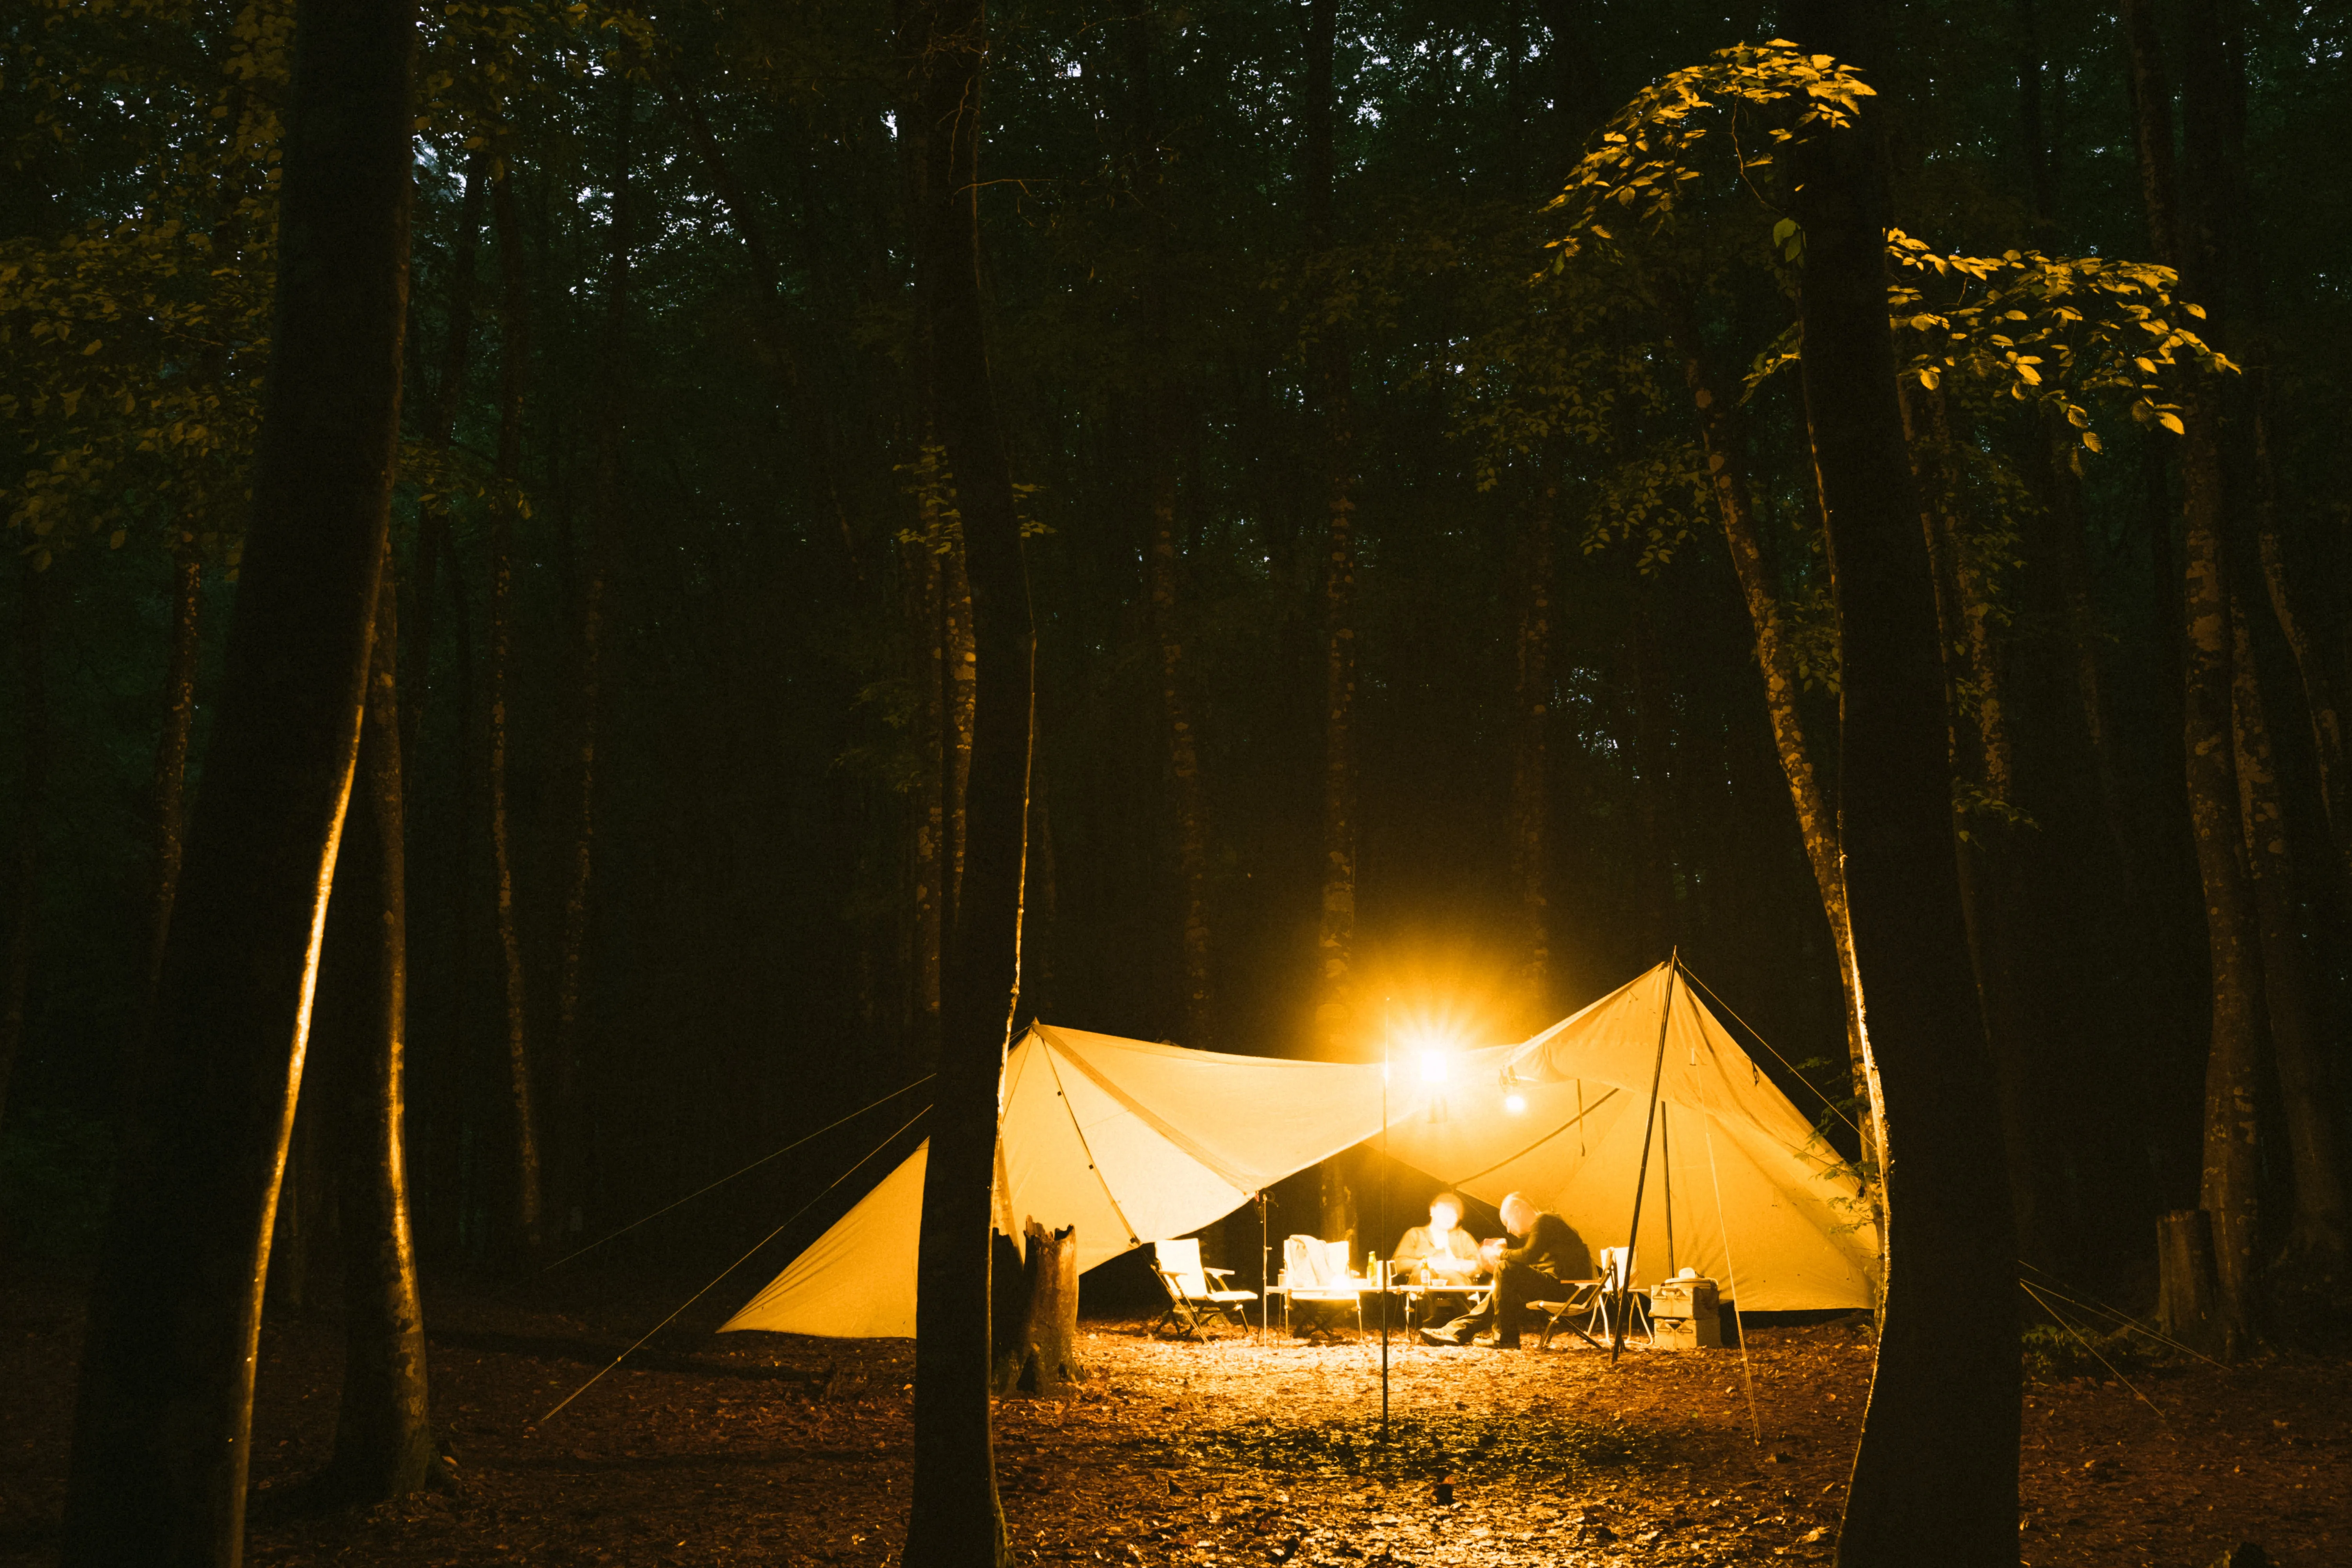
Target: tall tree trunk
<point x="163" y="1415"/>
<point x="24" y="873"/>
<point x="927" y="616"/>
<point x="1934" y="1475"/>
<point x="1995" y="899"/>
<point x="1329" y="381"/>
<point x="530" y="1189"/>
<point x="1163" y="412"/>
<point x="172" y="747"/>
<point x="2315" y="1256"/>
<point x="2229" y="1187"/>
<point x="1530" y="824"/>
<point x="383" y="1437"/>
<point x="957" y="1520"/>
<point x="433" y="543"/>
<point x="1817" y="825"/>
<point x="604" y="542"/>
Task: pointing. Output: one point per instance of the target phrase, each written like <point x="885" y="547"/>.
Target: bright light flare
<point x="1516" y="1104"/>
<point x="1433" y="1066"/>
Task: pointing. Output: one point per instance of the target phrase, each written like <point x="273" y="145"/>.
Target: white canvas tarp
<point x="1134" y="1143"/>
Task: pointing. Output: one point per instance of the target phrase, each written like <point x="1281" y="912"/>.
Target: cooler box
<point x="1685" y="1315"/>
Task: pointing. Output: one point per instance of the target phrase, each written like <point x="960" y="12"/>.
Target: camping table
<point x="1469" y="1293"/>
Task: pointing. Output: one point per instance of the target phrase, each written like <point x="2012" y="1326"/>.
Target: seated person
<point x="1438" y="1253"/>
<point x="1441" y="1252"/>
<point x="1533" y="1265"/>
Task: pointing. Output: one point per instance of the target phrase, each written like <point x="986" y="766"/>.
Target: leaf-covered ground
<point x="760" y="1448"/>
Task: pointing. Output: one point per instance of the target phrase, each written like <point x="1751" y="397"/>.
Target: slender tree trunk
<point x="604" y="543"/>
<point x="163" y="1423"/>
<point x="1817" y="826"/>
<point x="1530" y="828"/>
<point x="2229" y="1187"/>
<point x="24" y="880"/>
<point x="1162" y="414"/>
<point x="963" y="693"/>
<point x="1935" y="1476"/>
<point x="926" y="614"/>
<point x="957" y="1520"/>
<point x="1995" y="898"/>
<point x="1653" y="759"/>
<point x="171" y="746"/>
<point x="1330" y="378"/>
<point x="383" y="1437"/>
<point x="530" y="1191"/>
<point x="433" y="542"/>
<point x="2315" y="1251"/>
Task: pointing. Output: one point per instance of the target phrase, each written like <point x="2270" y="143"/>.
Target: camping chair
<point x="1583" y="1296"/>
<point x="1192" y="1304"/>
<point x="1616" y="1280"/>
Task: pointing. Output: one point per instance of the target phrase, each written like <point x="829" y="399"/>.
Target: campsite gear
<point x="1133" y="1142"/>
<point x="1194" y="1303"/>
<point x="1309" y="1263"/>
<point x="1618" y="1304"/>
<point x="1579" y="1302"/>
<point x="1684" y="1314"/>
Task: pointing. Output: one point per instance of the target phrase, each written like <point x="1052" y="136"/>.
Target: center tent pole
<point x="1381" y="1207"/>
<point x="1649" y="1127"/>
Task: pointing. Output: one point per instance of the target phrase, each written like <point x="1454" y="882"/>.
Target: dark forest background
<point x="732" y="614"/>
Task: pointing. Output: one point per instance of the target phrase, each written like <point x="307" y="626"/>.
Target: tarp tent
<point x="1134" y="1143"/>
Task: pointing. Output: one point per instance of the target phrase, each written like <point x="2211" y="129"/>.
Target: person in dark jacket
<point x="1534" y="1264"/>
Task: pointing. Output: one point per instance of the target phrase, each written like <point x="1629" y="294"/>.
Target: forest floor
<point x="775" y="1451"/>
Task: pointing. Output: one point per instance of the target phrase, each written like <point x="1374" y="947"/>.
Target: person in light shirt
<point x="1543" y="1253"/>
<point x="1441" y="1252"/>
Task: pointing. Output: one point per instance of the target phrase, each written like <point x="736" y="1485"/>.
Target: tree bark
<point x="957" y="1520"/>
<point x="604" y="542"/>
<point x="1163" y="411"/>
<point x="2315" y="1256"/>
<point x="1329" y="380"/>
<point x="383" y="1437"/>
<point x="172" y="747"/>
<point x="433" y="542"/>
<point x="1040" y="1355"/>
<point x="1934" y="1475"/>
<point x="24" y="881"/>
<point x="2229" y="1185"/>
<point x="530" y="1189"/>
<point x="1817" y="826"/>
<point x="163" y="1423"/>
<point x="1530" y="825"/>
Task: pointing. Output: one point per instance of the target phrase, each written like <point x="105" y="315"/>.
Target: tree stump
<point x="2188" y="1284"/>
<point x="1035" y="1312"/>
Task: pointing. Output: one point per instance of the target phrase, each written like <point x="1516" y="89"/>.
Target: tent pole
<point x="1649" y="1126"/>
<point x="1381" y="1207"/>
<point x="1265" y="1273"/>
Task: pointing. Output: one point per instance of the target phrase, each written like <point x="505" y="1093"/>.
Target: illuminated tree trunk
<point x="957" y="1520"/>
<point x="163" y="1416"/>
<point x="384" y="1438"/>
<point x="529" y="1190"/>
<point x="1530" y="828"/>
<point x="609" y="512"/>
<point x="24" y="889"/>
<point x="1817" y="826"/>
<point x="1328" y="377"/>
<point x="2315" y="1251"/>
<point x="1934" y="1475"/>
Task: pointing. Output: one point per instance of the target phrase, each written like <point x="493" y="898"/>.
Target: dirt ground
<point x="775" y="1451"/>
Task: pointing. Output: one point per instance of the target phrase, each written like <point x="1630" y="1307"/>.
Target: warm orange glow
<point x="1516" y="1104"/>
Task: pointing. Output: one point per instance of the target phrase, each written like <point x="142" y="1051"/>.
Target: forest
<point x="605" y="597"/>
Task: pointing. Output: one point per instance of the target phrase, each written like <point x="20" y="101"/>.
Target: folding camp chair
<point x="1192" y="1304"/>
<point x="1582" y="1297"/>
<point x="1616" y="1284"/>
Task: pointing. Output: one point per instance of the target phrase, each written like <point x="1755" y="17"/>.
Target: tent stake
<point x="1633" y="1231"/>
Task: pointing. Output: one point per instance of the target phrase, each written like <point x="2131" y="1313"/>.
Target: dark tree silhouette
<point x="163" y="1423"/>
